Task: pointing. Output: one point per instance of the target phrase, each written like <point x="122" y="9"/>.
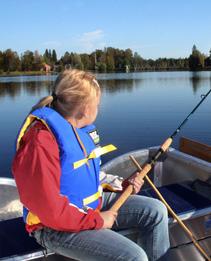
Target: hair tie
<point x="95" y="81"/>
<point x="54" y="96"/>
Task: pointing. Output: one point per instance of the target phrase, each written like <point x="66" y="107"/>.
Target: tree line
<point x="107" y="60"/>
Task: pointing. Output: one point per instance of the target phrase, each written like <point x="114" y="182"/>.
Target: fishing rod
<point x="145" y="170"/>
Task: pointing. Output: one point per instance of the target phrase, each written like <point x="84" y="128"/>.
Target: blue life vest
<point x="78" y="182"/>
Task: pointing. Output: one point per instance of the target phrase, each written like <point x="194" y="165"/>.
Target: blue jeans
<point x="147" y="215"/>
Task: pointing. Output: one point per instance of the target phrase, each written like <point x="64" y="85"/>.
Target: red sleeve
<point x="36" y="169"/>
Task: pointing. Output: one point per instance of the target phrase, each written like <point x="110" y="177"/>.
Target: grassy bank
<point x="22" y="73"/>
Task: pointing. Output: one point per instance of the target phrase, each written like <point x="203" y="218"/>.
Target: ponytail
<point x="45" y="101"/>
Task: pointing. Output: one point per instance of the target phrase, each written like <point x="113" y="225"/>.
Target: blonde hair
<point x="73" y="89"/>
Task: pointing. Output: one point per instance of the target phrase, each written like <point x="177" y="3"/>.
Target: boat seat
<point x="185" y="202"/>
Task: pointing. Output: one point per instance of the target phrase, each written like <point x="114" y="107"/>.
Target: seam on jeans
<point x="42" y="242"/>
<point x="90" y="250"/>
<point x="56" y="245"/>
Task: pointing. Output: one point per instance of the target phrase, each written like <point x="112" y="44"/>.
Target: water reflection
<point x="156" y="103"/>
<point x="112" y="85"/>
<point x="36" y="88"/>
<point x="10" y="89"/>
<point x="13" y="89"/>
<point x="199" y="80"/>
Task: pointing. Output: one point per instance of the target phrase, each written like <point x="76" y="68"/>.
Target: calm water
<point x="138" y="109"/>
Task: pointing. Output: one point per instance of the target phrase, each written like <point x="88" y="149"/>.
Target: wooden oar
<point x="174" y="215"/>
<point x="128" y="191"/>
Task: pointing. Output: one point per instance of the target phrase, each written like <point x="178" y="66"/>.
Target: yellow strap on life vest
<point x="32" y="219"/>
<point x="97" y="152"/>
<point x="92" y="198"/>
<point x="26" y="124"/>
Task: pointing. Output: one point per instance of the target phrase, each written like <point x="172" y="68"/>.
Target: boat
<point x="182" y="176"/>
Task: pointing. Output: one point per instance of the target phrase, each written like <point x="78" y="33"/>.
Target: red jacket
<point x="36" y="168"/>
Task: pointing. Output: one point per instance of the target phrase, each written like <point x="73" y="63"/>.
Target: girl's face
<point x="91" y="109"/>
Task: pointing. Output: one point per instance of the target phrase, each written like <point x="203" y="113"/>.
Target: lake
<point x="138" y="110"/>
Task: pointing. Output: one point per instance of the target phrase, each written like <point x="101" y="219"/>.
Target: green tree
<point x="66" y="59"/>
<point x="76" y="61"/>
<point x="137" y="62"/>
<point x="110" y="63"/>
<point x="208" y="60"/>
<point x="54" y="56"/>
<point x="27" y="61"/>
<point x="86" y="60"/>
<point x="11" y="61"/>
<point x="101" y="67"/>
<point x="47" y="57"/>
<point x="38" y="61"/>
<point x="1" y="62"/>
<point x="196" y="59"/>
<point x="128" y="58"/>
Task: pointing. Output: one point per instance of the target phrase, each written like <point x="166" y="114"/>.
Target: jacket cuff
<point x="98" y="220"/>
<point x="125" y="184"/>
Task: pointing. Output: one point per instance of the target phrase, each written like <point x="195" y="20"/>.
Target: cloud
<point x="90" y="41"/>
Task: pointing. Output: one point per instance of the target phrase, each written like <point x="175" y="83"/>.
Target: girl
<point x="57" y="171"/>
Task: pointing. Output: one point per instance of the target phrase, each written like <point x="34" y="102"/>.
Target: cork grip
<point x="121" y="200"/>
<point x="166" y="144"/>
<point x="129" y="190"/>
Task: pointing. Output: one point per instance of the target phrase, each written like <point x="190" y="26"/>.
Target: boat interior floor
<point x="187" y="199"/>
<point x="183" y="199"/>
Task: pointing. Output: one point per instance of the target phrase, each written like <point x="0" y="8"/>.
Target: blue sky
<point x="153" y="28"/>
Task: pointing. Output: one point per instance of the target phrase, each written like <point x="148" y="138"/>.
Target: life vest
<point x="79" y="159"/>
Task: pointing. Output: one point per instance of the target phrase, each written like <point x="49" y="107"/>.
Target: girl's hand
<point x="109" y="218"/>
<point x="136" y="183"/>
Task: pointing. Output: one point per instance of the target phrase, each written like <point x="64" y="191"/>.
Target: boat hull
<point x="174" y="169"/>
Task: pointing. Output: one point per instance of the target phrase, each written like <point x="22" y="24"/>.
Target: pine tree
<point x="54" y="56"/>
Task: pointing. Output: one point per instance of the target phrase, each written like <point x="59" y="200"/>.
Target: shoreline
<point x="27" y="73"/>
<point x="40" y="73"/>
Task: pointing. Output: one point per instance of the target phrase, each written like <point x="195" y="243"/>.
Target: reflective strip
<point x="28" y="121"/>
<point x="26" y="124"/>
<point x="91" y="198"/>
<point x="32" y="219"/>
<point x="97" y="152"/>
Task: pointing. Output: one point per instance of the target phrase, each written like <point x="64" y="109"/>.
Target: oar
<point x="180" y="222"/>
<point x="148" y="166"/>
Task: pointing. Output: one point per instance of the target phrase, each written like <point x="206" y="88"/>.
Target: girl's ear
<point x="85" y="111"/>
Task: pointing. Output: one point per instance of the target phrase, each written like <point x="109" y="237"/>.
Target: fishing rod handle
<point x="164" y="147"/>
<point x="143" y="172"/>
<point x="123" y="197"/>
<point x="129" y="190"/>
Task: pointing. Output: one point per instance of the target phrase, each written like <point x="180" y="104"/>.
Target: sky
<point x="153" y="28"/>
